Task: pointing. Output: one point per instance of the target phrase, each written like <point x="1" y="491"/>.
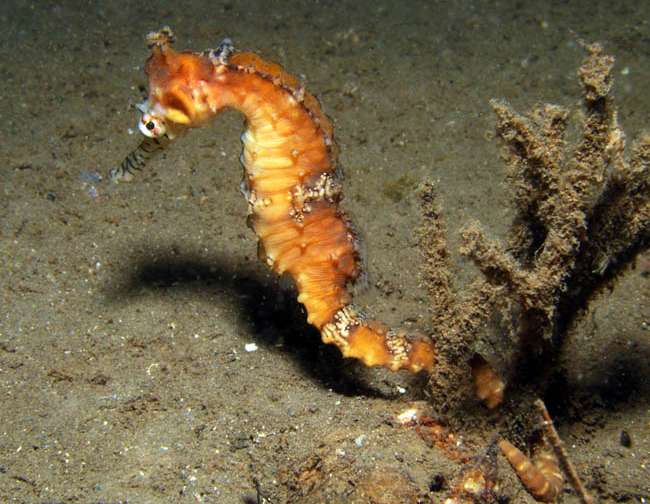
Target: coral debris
<point x="582" y="215"/>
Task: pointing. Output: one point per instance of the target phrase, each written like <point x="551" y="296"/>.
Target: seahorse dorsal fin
<point x="161" y="39"/>
<point x="221" y="54"/>
<point x="253" y="63"/>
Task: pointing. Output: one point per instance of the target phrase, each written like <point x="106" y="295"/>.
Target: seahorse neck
<point x="267" y="106"/>
<point x="284" y="143"/>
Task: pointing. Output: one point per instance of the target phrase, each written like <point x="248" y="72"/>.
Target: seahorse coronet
<point x="291" y="183"/>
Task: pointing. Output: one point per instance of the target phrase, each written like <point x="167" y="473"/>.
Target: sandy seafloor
<point x="126" y="309"/>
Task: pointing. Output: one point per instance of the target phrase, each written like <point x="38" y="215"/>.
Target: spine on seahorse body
<point x="290" y="181"/>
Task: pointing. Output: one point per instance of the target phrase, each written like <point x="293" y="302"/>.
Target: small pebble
<point x="90" y="177"/>
<point x="359" y="440"/>
<point x="408" y="416"/>
<point x="240" y="441"/>
<point x="625" y="439"/>
<point x="250" y="347"/>
<point x="437" y="483"/>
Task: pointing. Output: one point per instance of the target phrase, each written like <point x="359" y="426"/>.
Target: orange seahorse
<point x="290" y="181"/>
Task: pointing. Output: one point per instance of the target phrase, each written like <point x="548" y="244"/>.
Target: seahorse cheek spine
<point x="291" y="188"/>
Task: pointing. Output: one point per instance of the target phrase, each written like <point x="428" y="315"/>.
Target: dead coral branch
<point x="457" y="318"/>
<point x="582" y="213"/>
<point x="578" y="215"/>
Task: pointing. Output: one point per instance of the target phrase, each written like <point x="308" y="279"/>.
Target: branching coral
<point x="582" y="215"/>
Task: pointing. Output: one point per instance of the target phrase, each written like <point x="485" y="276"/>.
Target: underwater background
<point x="129" y="311"/>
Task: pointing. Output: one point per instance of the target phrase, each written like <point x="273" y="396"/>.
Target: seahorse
<point x="290" y="180"/>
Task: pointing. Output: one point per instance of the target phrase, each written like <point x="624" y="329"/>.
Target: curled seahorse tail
<point x="137" y="159"/>
<point x="375" y="344"/>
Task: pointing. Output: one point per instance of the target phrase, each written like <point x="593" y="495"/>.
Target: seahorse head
<point x="177" y="82"/>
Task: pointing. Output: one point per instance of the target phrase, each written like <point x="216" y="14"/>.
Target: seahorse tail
<point x="320" y="251"/>
<point x="375" y="344"/>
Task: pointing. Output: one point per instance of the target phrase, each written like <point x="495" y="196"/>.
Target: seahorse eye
<point x="151" y="126"/>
